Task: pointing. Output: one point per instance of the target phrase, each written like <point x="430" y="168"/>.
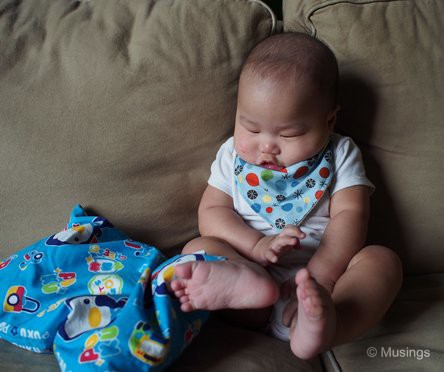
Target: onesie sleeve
<point x="222" y="168"/>
<point x="349" y="168"/>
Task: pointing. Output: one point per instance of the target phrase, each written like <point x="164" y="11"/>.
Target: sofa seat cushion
<point x="119" y="106"/>
<point x="223" y="347"/>
<point x="220" y="347"/>
<point x="409" y="338"/>
<point x="391" y="61"/>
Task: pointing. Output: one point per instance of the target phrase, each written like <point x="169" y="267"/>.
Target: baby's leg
<point x="232" y="284"/>
<point x="364" y="293"/>
<point x="360" y="298"/>
<point x="315" y="325"/>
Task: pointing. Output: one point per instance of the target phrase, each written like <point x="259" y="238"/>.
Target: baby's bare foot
<point x="316" y="319"/>
<point x="222" y="285"/>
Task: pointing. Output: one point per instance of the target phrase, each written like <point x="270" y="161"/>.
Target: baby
<point x="288" y="203"/>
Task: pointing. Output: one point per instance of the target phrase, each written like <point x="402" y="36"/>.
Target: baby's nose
<point x="269" y="147"/>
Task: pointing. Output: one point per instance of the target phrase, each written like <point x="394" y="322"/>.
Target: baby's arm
<point x="217" y="218"/>
<point x="344" y="236"/>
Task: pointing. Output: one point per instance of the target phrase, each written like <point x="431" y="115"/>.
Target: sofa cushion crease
<point x="391" y="63"/>
<point x="410" y="335"/>
<point x="128" y="76"/>
<point x="383" y="101"/>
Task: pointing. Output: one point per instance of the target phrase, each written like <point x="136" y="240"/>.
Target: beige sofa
<point x="121" y="105"/>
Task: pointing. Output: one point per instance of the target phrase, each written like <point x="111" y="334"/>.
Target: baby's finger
<point x="271" y="256"/>
<point x="293" y="230"/>
<point x="284" y="243"/>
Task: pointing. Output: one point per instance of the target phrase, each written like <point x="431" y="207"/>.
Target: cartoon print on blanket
<point x="95" y="298"/>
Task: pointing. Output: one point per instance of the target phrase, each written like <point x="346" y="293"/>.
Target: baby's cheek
<point x="242" y="148"/>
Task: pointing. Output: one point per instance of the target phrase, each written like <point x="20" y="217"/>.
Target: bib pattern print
<point x="285" y="196"/>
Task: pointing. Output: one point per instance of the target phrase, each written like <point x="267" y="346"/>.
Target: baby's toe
<point x="311" y="291"/>
<point x="184" y="299"/>
<point x="184" y="271"/>
<point x="178" y="284"/>
<point x="186" y="307"/>
<point x="302" y="276"/>
<point x="179" y="293"/>
<point x="185" y="303"/>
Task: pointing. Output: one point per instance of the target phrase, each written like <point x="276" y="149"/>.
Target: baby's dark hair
<point x="294" y="55"/>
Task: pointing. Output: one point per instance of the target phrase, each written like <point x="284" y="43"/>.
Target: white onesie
<point x="348" y="171"/>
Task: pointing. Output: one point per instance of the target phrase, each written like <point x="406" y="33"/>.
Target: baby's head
<point x="286" y="107"/>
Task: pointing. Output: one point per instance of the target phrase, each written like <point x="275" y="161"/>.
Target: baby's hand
<point x="270" y="248"/>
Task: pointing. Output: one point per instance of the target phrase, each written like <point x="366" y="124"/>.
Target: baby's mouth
<point x="272" y="166"/>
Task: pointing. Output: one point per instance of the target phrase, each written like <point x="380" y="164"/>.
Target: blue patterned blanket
<point x="95" y="298"/>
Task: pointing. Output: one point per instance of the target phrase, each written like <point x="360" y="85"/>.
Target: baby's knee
<point x="385" y="256"/>
<point x="193" y="246"/>
<point x="211" y="246"/>
<point x="386" y="259"/>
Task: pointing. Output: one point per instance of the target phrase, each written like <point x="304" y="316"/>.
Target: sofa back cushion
<point x="391" y="58"/>
<point x="119" y="106"/>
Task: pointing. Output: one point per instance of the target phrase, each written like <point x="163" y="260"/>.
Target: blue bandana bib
<point x="285" y="196"/>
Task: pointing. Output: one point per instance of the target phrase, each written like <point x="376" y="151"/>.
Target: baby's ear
<point x="332" y="116"/>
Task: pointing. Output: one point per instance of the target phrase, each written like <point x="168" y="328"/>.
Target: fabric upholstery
<point x="122" y="105"/>
<point x="410" y="336"/>
<point x="219" y="348"/>
<point x="119" y="106"/>
<point x="392" y="87"/>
